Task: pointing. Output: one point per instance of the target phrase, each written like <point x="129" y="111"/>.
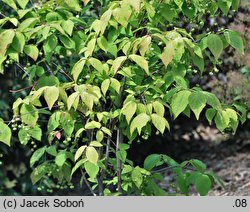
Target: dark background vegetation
<point x="225" y="154"/>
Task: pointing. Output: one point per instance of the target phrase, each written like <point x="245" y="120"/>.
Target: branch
<point x="87" y="182"/>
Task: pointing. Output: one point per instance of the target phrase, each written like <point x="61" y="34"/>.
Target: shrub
<point x="103" y="74"/>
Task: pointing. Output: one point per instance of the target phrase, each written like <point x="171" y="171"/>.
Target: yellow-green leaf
<point x="168" y="53"/>
<point x="68" y="26"/>
<point x="92" y="155"/>
<point x="117" y="63"/>
<point x="22" y="3"/>
<point x="6" y="38"/>
<point x="77" y="69"/>
<point x="18" y="42"/>
<point x="139" y="122"/>
<point x="159" y="122"/>
<point x="5" y="133"/>
<point x="129" y="110"/>
<point x="51" y="95"/>
<point x="73" y="100"/>
<point x="32" y="51"/>
<point x="92" y="125"/>
<point x="11" y="3"/>
<point x="97" y="64"/>
<point x="79" y="152"/>
<point x="105" y="86"/>
<point x="140" y="61"/>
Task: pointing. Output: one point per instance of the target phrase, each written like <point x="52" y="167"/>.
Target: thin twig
<point x="3" y="15"/>
<point x="119" y="140"/>
<point x="22" y="69"/>
<point x="106" y="167"/>
<point x="63" y="72"/>
<point x="87" y="182"/>
<point x="33" y="6"/>
<point x="22" y="89"/>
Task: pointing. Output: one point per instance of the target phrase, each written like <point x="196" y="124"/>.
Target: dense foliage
<point x="105" y="73"/>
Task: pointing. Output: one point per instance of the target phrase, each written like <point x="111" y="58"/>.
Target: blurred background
<point x="225" y="154"/>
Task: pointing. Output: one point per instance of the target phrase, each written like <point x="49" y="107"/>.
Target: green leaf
<point x="91" y="169"/>
<point x="159" y="122"/>
<point x="199" y="165"/>
<point x="78" y="165"/>
<point x="221" y="121"/>
<point x="215" y="45"/>
<point x="180" y="102"/>
<point x="77" y="69"/>
<point x="39" y="172"/>
<point x="23" y="136"/>
<point x="32" y="51"/>
<point x="140" y="61"/>
<point x="35" y="133"/>
<point x="137" y="177"/>
<point x="50" y="44"/>
<point x="92" y="125"/>
<point x="231" y="114"/>
<point x="92" y="155"/>
<point x="67" y="42"/>
<point x="224" y="5"/>
<point x="29" y="115"/>
<point x="105" y="86"/>
<point x="121" y="155"/>
<point x="18" y="42"/>
<point x="129" y="110"/>
<point x="235" y="40"/>
<point x="37" y="155"/>
<point x="97" y="64"/>
<point x="11" y="3"/>
<point x="73" y="4"/>
<point x="67" y="122"/>
<point x="212" y="100"/>
<point x="235" y="4"/>
<point x="197" y="101"/>
<point x="151" y="161"/>
<point x="103" y="43"/>
<point x="203" y="184"/>
<point x="139" y="122"/>
<point x="61" y="158"/>
<point x="179" y="3"/>
<point x="68" y="27"/>
<point x="51" y="95"/>
<point x="27" y="23"/>
<point x="6" y="38"/>
<point x="5" y="133"/>
<point x="22" y="3"/>
<point x="118" y="63"/>
<point x="210" y="113"/>
<point x="79" y="152"/>
<point x="54" y="121"/>
<point x="52" y="151"/>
